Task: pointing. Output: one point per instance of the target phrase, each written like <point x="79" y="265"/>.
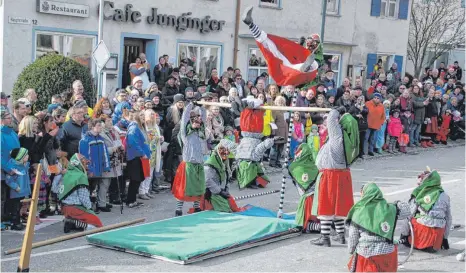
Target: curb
<point x="411" y="151"/>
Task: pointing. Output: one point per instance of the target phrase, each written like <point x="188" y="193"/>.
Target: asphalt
<point x="395" y="175"/>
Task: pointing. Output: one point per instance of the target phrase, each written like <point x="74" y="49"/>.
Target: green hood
<point x="74" y="178"/>
<point x="429" y="191"/>
<point x="217" y="163"/>
<point x="350" y="137"/>
<point x="373" y="213"/>
<point x="303" y="168"/>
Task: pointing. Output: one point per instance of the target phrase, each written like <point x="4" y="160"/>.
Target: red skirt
<point x="432" y="127"/>
<point x="425" y="236"/>
<point x="181" y="189"/>
<point x="308" y="211"/>
<point x="334" y="195"/>
<point x="380" y="263"/>
<point x="81" y="215"/>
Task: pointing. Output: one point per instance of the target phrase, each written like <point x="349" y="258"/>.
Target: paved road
<point x="395" y="175"/>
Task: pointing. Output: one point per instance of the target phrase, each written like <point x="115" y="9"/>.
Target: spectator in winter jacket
<point x="395" y="128"/>
<point x="406" y="103"/>
<point x="170" y="90"/>
<point x="459" y="70"/>
<point x="162" y="71"/>
<point x="119" y="108"/>
<point x="457" y="93"/>
<point x="9" y="140"/>
<point x="329" y="81"/>
<point x="393" y="78"/>
<point x="375" y="120"/>
<point x="92" y="147"/>
<point x="341" y="90"/>
<point x="19" y="184"/>
<point x="359" y="111"/>
<point x="419" y="104"/>
<point x="72" y="131"/>
<point x="136" y="149"/>
<point x="213" y="80"/>
<point x="120" y="96"/>
<point x="345" y="100"/>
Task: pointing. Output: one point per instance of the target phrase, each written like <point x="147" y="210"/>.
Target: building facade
<point x="358" y="32"/>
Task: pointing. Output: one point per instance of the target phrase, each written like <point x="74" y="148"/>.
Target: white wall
<point x="296" y="18"/>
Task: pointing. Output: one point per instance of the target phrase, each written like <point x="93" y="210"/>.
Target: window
<point x="388" y="8"/>
<point x="256" y="64"/>
<point x="270" y="3"/>
<point x="333" y="61"/>
<point x="203" y="58"/>
<point x="333" y="6"/>
<point x="387" y="61"/>
<point x="77" y="47"/>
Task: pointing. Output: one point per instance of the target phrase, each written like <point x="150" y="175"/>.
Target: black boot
<point x="197" y="210"/>
<point x="340" y="237"/>
<point x="404" y="241"/>
<point x="323" y="240"/>
<point x="69" y="225"/>
<point x="178" y="213"/>
<point x="247" y="16"/>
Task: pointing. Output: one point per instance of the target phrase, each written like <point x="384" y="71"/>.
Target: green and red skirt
<point x="189" y="182"/>
<point x="334" y="193"/>
<point x="218" y="203"/>
<point x="250" y="172"/>
<point x="304" y="211"/>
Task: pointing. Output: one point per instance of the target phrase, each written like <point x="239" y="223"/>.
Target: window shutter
<point x="403" y="9"/>
<point x="371" y="61"/>
<point x="399" y="63"/>
<point x="375" y="8"/>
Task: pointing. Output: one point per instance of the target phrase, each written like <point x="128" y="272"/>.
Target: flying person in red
<point x="289" y="63"/>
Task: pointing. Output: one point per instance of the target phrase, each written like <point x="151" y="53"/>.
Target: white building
<point x="359" y="32"/>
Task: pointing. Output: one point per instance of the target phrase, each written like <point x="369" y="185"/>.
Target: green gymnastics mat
<point x="196" y="237"/>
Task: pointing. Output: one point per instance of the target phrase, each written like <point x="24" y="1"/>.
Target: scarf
<point x="200" y="131"/>
<point x="373" y="213"/>
<point x="428" y="192"/>
<point x="107" y="111"/>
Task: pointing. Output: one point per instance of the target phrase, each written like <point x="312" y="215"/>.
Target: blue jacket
<point x="9" y="141"/>
<point x="93" y="148"/>
<point x="136" y="144"/>
<point x="22" y="181"/>
<point x="119" y="111"/>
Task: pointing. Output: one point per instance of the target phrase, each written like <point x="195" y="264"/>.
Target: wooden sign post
<point x="25" y="256"/>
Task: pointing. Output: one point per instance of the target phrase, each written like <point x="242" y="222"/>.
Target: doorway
<point x="132" y="49"/>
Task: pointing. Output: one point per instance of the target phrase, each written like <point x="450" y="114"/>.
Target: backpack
<point x="351" y="139"/>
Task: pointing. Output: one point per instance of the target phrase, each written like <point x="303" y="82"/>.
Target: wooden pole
<point x="25" y="256"/>
<point x="266" y="107"/>
<point x="287" y="156"/>
<point x="76" y="235"/>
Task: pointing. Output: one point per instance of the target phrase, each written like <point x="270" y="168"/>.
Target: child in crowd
<point x="395" y="128"/>
<point x="297" y="135"/>
<point x="444" y="128"/>
<point x="380" y="134"/>
<point x="313" y="140"/>
<point x="19" y="184"/>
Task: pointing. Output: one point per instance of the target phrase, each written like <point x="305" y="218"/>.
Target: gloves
<point x="445" y="244"/>
<point x="341" y="110"/>
<point x="224" y="194"/>
<point x="302" y="40"/>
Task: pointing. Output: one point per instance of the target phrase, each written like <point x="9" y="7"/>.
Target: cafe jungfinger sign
<point x="180" y="23"/>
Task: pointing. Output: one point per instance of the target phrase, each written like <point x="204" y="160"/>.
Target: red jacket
<point x="395" y="128"/>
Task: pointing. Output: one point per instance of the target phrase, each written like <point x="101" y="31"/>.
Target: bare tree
<point x="436" y="27"/>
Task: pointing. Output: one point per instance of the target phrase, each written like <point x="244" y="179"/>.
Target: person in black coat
<point x="170" y="90"/>
<point x="162" y="71"/>
<point x="359" y="111"/>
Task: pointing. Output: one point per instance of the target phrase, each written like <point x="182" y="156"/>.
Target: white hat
<point x="136" y="79"/>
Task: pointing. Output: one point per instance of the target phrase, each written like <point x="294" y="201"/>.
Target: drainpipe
<point x="237" y="19"/>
